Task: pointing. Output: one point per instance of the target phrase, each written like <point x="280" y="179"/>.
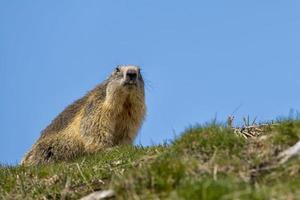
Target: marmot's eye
<point x="117" y="69"/>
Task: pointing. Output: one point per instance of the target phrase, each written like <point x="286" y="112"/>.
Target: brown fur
<point x="109" y="115"/>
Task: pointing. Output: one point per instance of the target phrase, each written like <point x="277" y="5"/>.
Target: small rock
<point x="105" y="194"/>
<point x="290" y="152"/>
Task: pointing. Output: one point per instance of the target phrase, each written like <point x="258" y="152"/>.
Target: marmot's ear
<point x="117" y="69"/>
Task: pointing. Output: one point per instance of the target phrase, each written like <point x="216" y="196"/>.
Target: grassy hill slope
<point x="206" y="162"/>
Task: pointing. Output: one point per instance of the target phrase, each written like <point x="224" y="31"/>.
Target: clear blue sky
<point x="201" y="59"/>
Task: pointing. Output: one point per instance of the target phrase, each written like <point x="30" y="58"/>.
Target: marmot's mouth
<point x="130" y="82"/>
<point x="130" y="85"/>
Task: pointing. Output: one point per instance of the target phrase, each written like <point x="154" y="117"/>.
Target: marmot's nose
<point x="131" y="74"/>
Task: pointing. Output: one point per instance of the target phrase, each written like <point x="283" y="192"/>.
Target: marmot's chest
<point x="126" y="116"/>
<point x="126" y="122"/>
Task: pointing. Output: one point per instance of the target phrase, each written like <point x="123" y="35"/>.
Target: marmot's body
<point x="109" y="115"/>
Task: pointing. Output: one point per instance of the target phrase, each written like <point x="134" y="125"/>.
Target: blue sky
<point x="200" y="59"/>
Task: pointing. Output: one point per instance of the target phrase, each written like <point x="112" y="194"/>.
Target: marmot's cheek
<point x="123" y="82"/>
<point x="108" y="90"/>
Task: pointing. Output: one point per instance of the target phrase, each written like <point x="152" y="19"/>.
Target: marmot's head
<point x="126" y="78"/>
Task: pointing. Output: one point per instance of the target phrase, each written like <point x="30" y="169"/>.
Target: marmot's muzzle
<point x="131" y="77"/>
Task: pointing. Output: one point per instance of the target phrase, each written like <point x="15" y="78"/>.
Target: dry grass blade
<point x="84" y="178"/>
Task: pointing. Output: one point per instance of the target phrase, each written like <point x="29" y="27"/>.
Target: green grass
<point x="206" y="162"/>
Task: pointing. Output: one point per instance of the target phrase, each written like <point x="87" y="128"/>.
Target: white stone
<point x="105" y="194"/>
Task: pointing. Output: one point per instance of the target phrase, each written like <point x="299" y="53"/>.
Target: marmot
<point x="111" y="114"/>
